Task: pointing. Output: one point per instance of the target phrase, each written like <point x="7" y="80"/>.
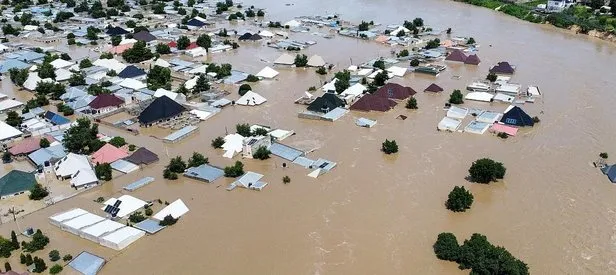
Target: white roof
<point x="102" y="228"/>
<point x="352" y="68"/>
<point x="3" y="96"/>
<point x="198" y="51"/>
<point x="233" y="145"/>
<point x="128" y="205"/>
<point x="162" y="63"/>
<point x="33" y="80"/>
<point x="364" y="72"/>
<point x="316" y="61"/>
<point x="110" y="64"/>
<point x="399" y="29"/>
<point x="267" y="72"/>
<point x="266" y="33"/>
<point x="9" y="104"/>
<point x="503" y="98"/>
<point x="354" y="90"/>
<point x="122" y="234"/>
<point x="200" y="19"/>
<point x="199" y="70"/>
<point x="280" y="134"/>
<point x="202" y="115"/>
<point x="479" y="96"/>
<point x="8" y="131"/>
<point x="397" y="71"/>
<point x="189" y="84"/>
<point x="83" y="177"/>
<point x="128" y="41"/>
<point x="293" y="23"/>
<point x="60" y="63"/>
<point x="3" y="47"/>
<point x="176" y="209"/>
<point x="132" y="84"/>
<point x="373" y="75"/>
<point x="509" y="88"/>
<point x="489" y="117"/>
<point x="449" y="124"/>
<point x="251" y="99"/>
<point x="70" y="164"/>
<point x="173" y="95"/>
<point x="330" y="86"/>
<point x="68" y="215"/>
<point x="533" y="91"/>
<point x="124" y="166"/>
<point x="285" y="59"/>
<point x="63" y="74"/>
<point x="83" y="221"/>
<point x="457" y="112"/>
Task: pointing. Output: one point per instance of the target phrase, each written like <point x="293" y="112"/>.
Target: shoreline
<point x="529" y="17"/>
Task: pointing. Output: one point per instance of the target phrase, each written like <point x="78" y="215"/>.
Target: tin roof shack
<point x="16" y="183"/>
<point x="205" y="173"/>
<point x="250" y="180"/>
<point x="252" y="144"/>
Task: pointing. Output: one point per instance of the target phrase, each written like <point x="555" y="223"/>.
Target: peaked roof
<point x="371" y="102"/>
<point x="395" y="91"/>
<point x="326" y="103"/>
<point x="142" y="156"/>
<point x="433" y="88"/>
<point x="316" y="61"/>
<point x="245" y="36"/>
<point x="256" y="37"/>
<point x="16" y="181"/>
<point x="131" y="71"/>
<point x="105" y="100"/>
<point x="502" y="68"/>
<point x="516" y="116"/>
<point x="113" y="31"/>
<point x="28" y="145"/>
<point x="195" y="23"/>
<point x="456" y="55"/>
<point x="145" y="36"/>
<point x="161" y="108"/>
<point x="472" y="59"/>
<point x="108" y="154"/>
<point x="285" y="59"/>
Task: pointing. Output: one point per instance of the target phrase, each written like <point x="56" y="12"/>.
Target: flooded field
<point x="377" y="214"/>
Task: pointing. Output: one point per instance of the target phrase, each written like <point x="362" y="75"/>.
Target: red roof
<point x="192" y="45"/>
<point x="105" y="100"/>
<point x="108" y="154"/>
<point x="433" y="88"/>
<point x="395" y="91"/>
<point x="472" y="59"/>
<point x="456" y="55"/>
<point x="371" y="102"/>
<point x="172" y="44"/>
<point x="28" y="145"/>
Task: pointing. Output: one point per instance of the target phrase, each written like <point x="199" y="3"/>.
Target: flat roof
<point x="149" y="226"/>
<point x="139" y="183"/>
<point x="86" y="263"/>
<point x="181" y="133"/>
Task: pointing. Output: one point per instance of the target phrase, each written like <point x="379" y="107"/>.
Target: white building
<point x="252" y="144"/>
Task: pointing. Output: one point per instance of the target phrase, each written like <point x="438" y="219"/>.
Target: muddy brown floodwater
<point x="377" y="214"/>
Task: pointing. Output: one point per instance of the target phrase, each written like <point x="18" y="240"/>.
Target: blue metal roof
<point x="285" y="152"/>
<point x="181" y="133"/>
<point x="150" y="226"/>
<point x="56" y="119"/>
<point x="28" y="56"/>
<point x="86" y="263"/>
<point x="40" y="156"/>
<point x="8" y="64"/>
<point x="131" y="71"/>
<point x="139" y="183"/>
<point x="205" y="172"/>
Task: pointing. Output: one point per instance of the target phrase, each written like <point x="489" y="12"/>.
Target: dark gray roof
<point x="144" y="36"/>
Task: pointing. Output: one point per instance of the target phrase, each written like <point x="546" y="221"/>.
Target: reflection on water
<point x="377" y="214"/>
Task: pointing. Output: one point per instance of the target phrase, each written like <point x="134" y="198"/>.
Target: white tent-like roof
<point x="110" y="64"/>
<point x="196" y="52"/>
<point x="132" y="84"/>
<point x="162" y="63"/>
<point x="63" y="74"/>
<point x="285" y="59"/>
<point x="128" y="205"/>
<point x="267" y="72"/>
<point x="354" y="90"/>
<point x="316" y="61"/>
<point x="293" y="24"/>
<point x="202" y="115"/>
<point x="70" y="164"/>
<point x="479" y="96"/>
<point x="397" y="71"/>
<point x="399" y="29"/>
<point x="74" y="225"/>
<point x="9" y="104"/>
<point x="95" y="231"/>
<point x="189" y="84"/>
<point x="176" y="209"/>
<point x="83" y="177"/>
<point x="251" y="99"/>
<point x="233" y="145"/>
<point x="58" y="219"/>
<point x="199" y="70"/>
<point x="330" y="86"/>
<point x="60" y="63"/>
<point x="457" y="112"/>
<point x="128" y="41"/>
<point x="121" y="238"/>
<point x="266" y="33"/>
<point x="449" y="124"/>
<point x="173" y="95"/>
<point x="364" y="72"/>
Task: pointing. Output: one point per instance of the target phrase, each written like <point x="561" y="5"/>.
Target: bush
<point x="244" y="88"/>
<point x="301" y="60"/>
<point x="39" y="265"/>
<point x="262" y="153"/>
<point x="168" y="220"/>
<point x="117" y="141"/>
<point x="54" y="255"/>
<point x="38" y="242"/>
<point x="414" y="62"/>
<point x="456" y="97"/>
<point x="470" y="41"/>
<point x="603" y="155"/>
<point x="7" y="267"/>
<point x="243" y="129"/>
<point x="536" y="119"/>
<point x="252" y="78"/>
<point x="132" y="147"/>
<point x="167" y="174"/>
<point x="234" y="171"/>
<point x="218" y="142"/>
<point x="502" y="135"/>
<point x="197" y="159"/>
<point x="38" y="192"/>
<point x="412" y="104"/>
<point x="286" y="179"/>
<point x="55" y="269"/>
<point x="149" y="211"/>
<point x="67" y="257"/>
<point x="446" y="247"/>
<point x="103" y="171"/>
<point x="99" y="200"/>
<point x="491" y="77"/>
<point x="389" y="147"/>
<point x="322" y="71"/>
<point x="403" y="53"/>
<point x="459" y="199"/>
<point x="176" y="165"/>
<point x="486" y="170"/>
<point x="136" y="217"/>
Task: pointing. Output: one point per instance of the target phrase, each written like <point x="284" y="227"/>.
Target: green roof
<point x="16" y="181"/>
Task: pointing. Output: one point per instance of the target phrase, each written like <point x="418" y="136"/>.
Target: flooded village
<point x="283" y="115"/>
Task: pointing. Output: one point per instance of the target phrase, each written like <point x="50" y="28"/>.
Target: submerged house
<point x="434" y="88"/>
<point x="517" y="117"/>
<point x="456" y="56"/>
<point x="371" y="102"/>
<point x="251" y="144"/>
<point x="395" y="91"/>
<point x="162" y="108"/>
<point x="503" y="68"/>
<point x="472" y="59"/>
<point x="105" y="103"/>
<point x="326" y="103"/>
<point x="16" y="183"/>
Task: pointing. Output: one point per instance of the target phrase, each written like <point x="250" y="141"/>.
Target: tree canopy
<point x="13" y="119"/>
<point x="46" y="70"/>
<point x="159" y="77"/>
<point x="261" y="153"/>
<point x="243" y="129"/>
<point x="234" y="171"/>
<point x="301" y="60"/>
<point x="389" y="147"/>
<point x="343" y="82"/>
<point x="38" y="192"/>
<point x="81" y="138"/>
<point x="459" y="199"/>
<point x="18" y="76"/>
<point x="456" y="97"/>
<point x="183" y="42"/>
<point x="138" y="53"/>
<point x="218" y="142"/>
<point x="204" y="41"/>
<point x="486" y="170"/>
<point x="411" y="104"/>
<point x="197" y="159"/>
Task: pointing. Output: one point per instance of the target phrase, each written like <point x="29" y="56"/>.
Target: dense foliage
<point x="159" y="77"/>
<point x="261" y="153"/>
<point x="38" y="192"/>
<point x="459" y="199"/>
<point x="456" y="97"/>
<point x="197" y="159"/>
<point x="137" y="53"/>
<point x="411" y="103"/>
<point x="486" y="170"/>
<point x="218" y="142"/>
<point x="103" y="171"/>
<point x="234" y="171"/>
<point x="82" y="138"/>
<point x="389" y="147"/>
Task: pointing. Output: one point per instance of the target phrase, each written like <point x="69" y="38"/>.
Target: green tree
<point x="470" y="41"/>
<point x="379" y="64"/>
<point x="321" y="70"/>
<point x="168" y="220"/>
<point x="262" y="153"/>
<point x="29" y="260"/>
<point x="177" y="165"/>
<point x="54" y="255"/>
<point x="381" y="78"/>
<point x="486" y="170"/>
<point x="159" y="8"/>
<point x="414" y="62"/>
<point x="149" y="211"/>
<point x="234" y="171"/>
<point x="363" y="26"/>
<point x="459" y="199"/>
<point x="103" y="171"/>
<point x="7" y="267"/>
<point x="286" y="179"/>
<point x="183" y="42"/>
<point x="403" y="53"/>
<point x="446" y="247"/>
<point x="244" y="88"/>
<point x="250" y="13"/>
<point x="412" y="104"/>
<point x="343" y="82"/>
<point x="603" y="155"/>
<point x="243" y="129"/>
<point x="456" y="97"/>
<point x="163" y="48"/>
<point x="418" y="22"/>
<point x="38" y="242"/>
<point x="115" y="40"/>
<point x="201" y="85"/>
<point x="204" y="41"/>
<point x="301" y="60"/>
<point x="67" y="257"/>
<point x="53" y="90"/>
<point x="159" y="77"/>
<point x="78" y="138"/>
<point x="18" y="76"/>
<point x="106" y="56"/>
<point x="44" y="143"/>
<point x="117" y="141"/>
<point x="38" y="192"/>
<point x="260" y="13"/>
<point x="259" y="131"/>
<point x="14" y="241"/>
<point x="85" y="63"/>
<point x="138" y="53"/>
<point x="77" y="79"/>
<point x="434" y="43"/>
<point x="252" y="78"/>
<point x="55" y="269"/>
<point x="22" y="258"/>
<point x="46" y="70"/>
<point x="218" y="142"/>
<point x="39" y="265"/>
<point x="197" y="159"/>
<point x="8" y="29"/>
<point x="136" y="217"/>
<point x="6" y="157"/>
<point x="389" y="147"/>
<point x="491" y="77"/>
<point x="13" y="119"/>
